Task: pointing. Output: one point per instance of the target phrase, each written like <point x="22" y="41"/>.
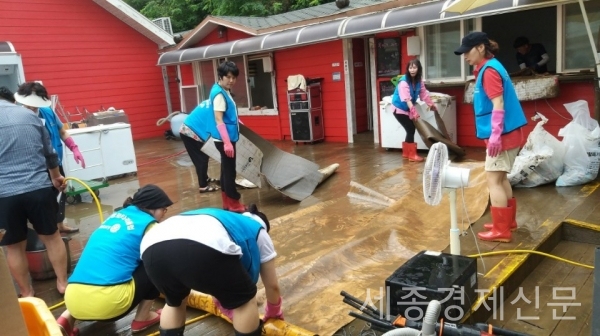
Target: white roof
<point x="137" y="21"/>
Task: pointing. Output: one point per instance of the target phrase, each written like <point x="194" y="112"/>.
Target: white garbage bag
<point x="540" y="161"/>
<point x="580" y="137"/>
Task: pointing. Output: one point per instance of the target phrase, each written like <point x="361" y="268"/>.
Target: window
<point x="577" y="49"/>
<point x="239" y="90"/>
<point x="261" y="84"/>
<point x="207" y="78"/>
<point x="253" y="91"/>
<point x="440" y="41"/>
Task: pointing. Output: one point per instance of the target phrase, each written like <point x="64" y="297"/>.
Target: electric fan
<point x="439" y="174"/>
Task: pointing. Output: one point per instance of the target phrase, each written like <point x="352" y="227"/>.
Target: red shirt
<point x="492" y="86"/>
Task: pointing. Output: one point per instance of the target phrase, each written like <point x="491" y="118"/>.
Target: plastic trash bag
<point x="540" y="161"/>
<point x="580" y="137"/>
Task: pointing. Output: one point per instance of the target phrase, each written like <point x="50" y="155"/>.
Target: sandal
<point x="208" y="189"/>
<point x="213" y="180"/>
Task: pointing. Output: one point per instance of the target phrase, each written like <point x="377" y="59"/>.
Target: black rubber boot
<point x="257" y="332"/>
<point x="172" y="332"/>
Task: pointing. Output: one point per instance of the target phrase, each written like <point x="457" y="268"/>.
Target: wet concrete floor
<point x="363" y="162"/>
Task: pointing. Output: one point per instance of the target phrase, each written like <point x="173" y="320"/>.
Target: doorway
<point x="361" y="99"/>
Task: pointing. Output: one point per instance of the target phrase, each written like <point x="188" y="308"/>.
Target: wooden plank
<point x="588" y="207"/>
<point x="578" y="234"/>
<point x="580" y="313"/>
<point x="559" y="271"/>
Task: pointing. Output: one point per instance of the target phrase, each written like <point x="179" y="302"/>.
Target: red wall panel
<point x="187" y="74"/>
<point x="89" y="58"/>
<point x="552" y="109"/>
<point x="360" y="85"/>
<point x="314" y="61"/>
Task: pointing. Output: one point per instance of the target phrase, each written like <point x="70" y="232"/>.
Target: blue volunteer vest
<point x="414" y="94"/>
<point x="514" y="117"/>
<point x="113" y="250"/>
<point x="202" y="119"/>
<point x="243" y="231"/>
<point x="53" y="125"/>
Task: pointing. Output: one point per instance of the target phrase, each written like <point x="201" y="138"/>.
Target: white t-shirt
<point x="206" y="230"/>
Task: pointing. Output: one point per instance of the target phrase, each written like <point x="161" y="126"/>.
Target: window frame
<point x="561" y="13"/>
<point x="465" y="73"/>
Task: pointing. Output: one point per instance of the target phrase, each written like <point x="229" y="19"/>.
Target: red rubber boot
<point x="500" y="232"/>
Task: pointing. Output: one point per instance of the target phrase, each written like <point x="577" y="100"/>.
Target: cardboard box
<point x="13" y="323"/>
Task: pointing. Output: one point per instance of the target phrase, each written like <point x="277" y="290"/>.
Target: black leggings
<point x="228" y="171"/>
<point x="199" y="158"/>
<point x="409" y="126"/>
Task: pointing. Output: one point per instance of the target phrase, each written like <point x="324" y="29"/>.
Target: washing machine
<point x="393" y="134"/>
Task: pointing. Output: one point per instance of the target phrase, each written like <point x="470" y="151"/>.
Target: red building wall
<point x="228" y="35"/>
<point x="310" y="61"/>
<point x="552" y="109"/>
<point x="89" y="58"/>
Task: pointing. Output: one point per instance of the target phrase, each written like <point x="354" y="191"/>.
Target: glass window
<point x="260" y="85"/>
<point x="441" y="40"/>
<point x="207" y="78"/>
<point x="239" y="90"/>
<point x="190" y="98"/>
<point x="578" y="51"/>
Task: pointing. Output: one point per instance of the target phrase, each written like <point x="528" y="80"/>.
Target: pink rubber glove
<point x="229" y="151"/>
<point x="413" y="114"/>
<point x="494" y="145"/>
<point x="226" y="312"/>
<point x="76" y="153"/>
<point x="273" y="311"/>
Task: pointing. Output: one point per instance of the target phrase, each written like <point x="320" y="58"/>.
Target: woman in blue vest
<point x="217" y="252"/>
<point x="410" y="87"/>
<point x="499" y="121"/>
<point x="217" y="117"/>
<point x="58" y="135"/>
<point x="109" y="280"/>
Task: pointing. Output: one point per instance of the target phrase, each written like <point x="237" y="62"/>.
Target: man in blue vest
<point x="58" y="135"/>
<point x="228" y="252"/>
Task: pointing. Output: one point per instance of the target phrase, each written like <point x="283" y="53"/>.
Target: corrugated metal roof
<point x="298" y="15"/>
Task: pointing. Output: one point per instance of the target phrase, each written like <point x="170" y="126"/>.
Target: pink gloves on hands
<point x="412" y="113"/>
<point x="229" y="151"/>
<point x="494" y="145"/>
<point x="226" y="312"/>
<point x="76" y="153"/>
<point x="273" y="311"/>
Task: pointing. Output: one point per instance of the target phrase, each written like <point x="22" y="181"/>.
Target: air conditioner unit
<point x="165" y="24"/>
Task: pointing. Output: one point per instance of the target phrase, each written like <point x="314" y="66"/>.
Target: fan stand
<point x="454" y="231"/>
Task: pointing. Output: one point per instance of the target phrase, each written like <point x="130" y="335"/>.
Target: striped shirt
<point x="26" y="152"/>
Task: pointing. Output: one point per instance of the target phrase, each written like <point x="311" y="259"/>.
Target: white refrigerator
<point x="393" y="134"/>
<point x="107" y="150"/>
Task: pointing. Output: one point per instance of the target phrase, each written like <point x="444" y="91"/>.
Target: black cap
<point x="472" y="40"/>
<point x="151" y="197"/>
<point x="520" y="41"/>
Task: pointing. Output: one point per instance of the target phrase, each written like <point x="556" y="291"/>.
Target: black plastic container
<point x="433" y="276"/>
